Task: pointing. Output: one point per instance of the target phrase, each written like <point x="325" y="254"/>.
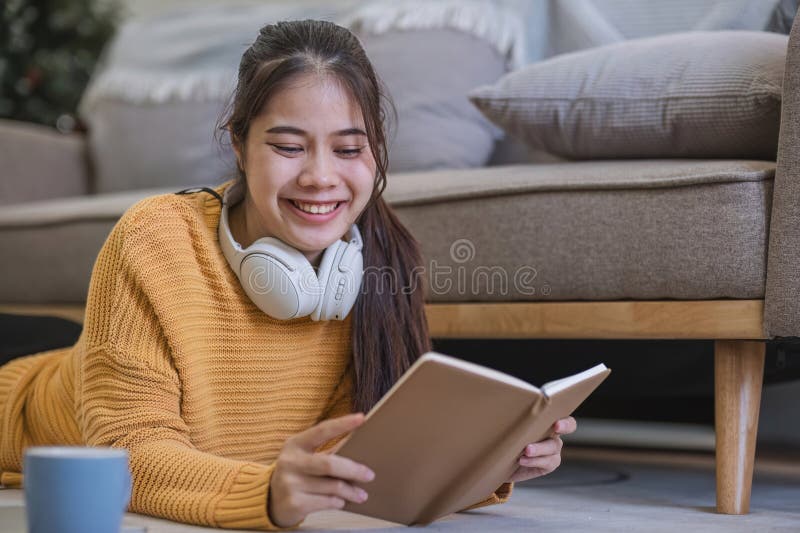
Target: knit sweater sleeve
<point x="501" y="495"/>
<point x="130" y="397"/>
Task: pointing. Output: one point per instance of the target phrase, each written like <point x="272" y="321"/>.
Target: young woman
<point x="229" y="393"/>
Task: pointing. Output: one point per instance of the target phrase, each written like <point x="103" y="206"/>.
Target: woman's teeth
<point x="316" y="209"/>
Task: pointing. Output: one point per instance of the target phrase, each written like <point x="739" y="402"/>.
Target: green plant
<point x="48" y="49"/>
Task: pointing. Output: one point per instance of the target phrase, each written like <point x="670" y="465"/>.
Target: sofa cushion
<point x="685" y="229"/>
<point x="782" y="16"/>
<point x="566" y="231"/>
<point x="140" y="145"/>
<point x="55" y="244"/>
<point x="414" y="46"/>
<point x="39" y="162"/>
<point x="437" y="126"/>
<point x="153" y="105"/>
<point x="695" y="94"/>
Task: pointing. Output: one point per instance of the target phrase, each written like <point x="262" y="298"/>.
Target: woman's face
<point x="310" y="171"/>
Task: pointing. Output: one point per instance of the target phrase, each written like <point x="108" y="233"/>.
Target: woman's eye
<point x="287" y="149"/>
<point x="350" y="152"/>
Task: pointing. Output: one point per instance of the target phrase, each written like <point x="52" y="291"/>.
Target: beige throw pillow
<point x="695" y="94"/>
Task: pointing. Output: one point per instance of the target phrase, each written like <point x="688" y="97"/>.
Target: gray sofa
<point x="670" y="248"/>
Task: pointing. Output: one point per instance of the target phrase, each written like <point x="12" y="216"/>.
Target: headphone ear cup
<point x="330" y="258"/>
<point x="279" y="279"/>
<point x="340" y="273"/>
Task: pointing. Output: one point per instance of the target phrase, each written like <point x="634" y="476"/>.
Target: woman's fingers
<point x="299" y="469"/>
<point x="327" y="465"/>
<point x="524" y="473"/>
<point x="541" y="458"/>
<point x="310" y="503"/>
<point x="547" y="463"/>
<point x="565" y="426"/>
<point x="550" y="446"/>
<point x="335" y="487"/>
<point x="321" y="433"/>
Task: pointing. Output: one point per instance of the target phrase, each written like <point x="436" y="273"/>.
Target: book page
<point x="558" y="385"/>
<point x="450" y="361"/>
<point x="481" y="370"/>
<point x="456" y="363"/>
<point x="498" y="463"/>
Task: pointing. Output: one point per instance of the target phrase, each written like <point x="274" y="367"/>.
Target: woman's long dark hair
<point x="389" y="327"/>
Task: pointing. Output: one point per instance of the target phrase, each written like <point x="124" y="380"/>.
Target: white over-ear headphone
<point x="280" y="280"/>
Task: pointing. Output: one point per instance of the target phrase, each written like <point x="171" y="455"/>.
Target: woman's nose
<point x="319" y="172"/>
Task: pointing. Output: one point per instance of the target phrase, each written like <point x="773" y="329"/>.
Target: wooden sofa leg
<point x="738" y="374"/>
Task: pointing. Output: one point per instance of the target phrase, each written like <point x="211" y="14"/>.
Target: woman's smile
<point x="315" y="211"/>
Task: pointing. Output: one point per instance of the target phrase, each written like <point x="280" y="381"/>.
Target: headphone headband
<point x="280" y="280"/>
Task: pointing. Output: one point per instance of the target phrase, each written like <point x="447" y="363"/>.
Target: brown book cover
<point x="449" y="433"/>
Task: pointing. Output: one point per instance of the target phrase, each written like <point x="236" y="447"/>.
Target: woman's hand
<point x="304" y="481"/>
<point x="543" y="457"/>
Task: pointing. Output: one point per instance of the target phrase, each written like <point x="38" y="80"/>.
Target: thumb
<point x="326" y="430"/>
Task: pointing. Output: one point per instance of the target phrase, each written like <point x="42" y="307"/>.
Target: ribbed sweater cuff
<point x="245" y="505"/>
<point x="503" y="492"/>
<point x="11" y="480"/>
<point x="15" y="376"/>
<point x="501" y="495"/>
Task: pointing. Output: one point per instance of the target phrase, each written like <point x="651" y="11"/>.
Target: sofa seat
<point x="596" y="230"/>
<point x="54" y="244"/>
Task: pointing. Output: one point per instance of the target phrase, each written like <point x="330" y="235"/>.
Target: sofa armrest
<point x="38" y="163"/>
<point x="782" y="294"/>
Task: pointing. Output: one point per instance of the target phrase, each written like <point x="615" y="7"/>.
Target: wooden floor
<point x="596" y="490"/>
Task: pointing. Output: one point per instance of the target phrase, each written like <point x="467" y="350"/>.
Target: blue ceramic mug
<point x="76" y="489"/>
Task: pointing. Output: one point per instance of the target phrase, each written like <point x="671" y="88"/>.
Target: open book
<point x="449" y="433"/>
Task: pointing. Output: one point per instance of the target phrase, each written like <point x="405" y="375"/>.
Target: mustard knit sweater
<point x="178" y="366"/>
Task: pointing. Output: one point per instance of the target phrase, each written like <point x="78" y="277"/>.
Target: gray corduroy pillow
<point x="695" y="94"/>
